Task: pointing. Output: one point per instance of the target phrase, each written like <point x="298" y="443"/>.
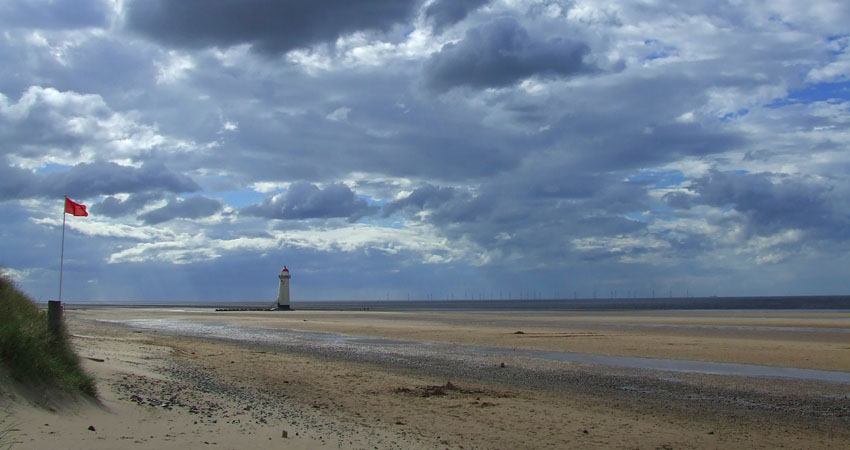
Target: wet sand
<point x="165" y="391"/>
<point x="811" y="340"/>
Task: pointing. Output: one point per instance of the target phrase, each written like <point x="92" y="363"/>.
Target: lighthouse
<point x="283" y="292"/>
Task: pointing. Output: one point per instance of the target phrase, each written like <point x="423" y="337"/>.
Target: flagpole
<point x="62" y="257"/>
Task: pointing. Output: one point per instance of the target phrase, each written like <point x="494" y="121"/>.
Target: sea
<point x="768" y="303"/>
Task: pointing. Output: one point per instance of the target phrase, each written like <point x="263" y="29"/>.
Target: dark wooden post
<point x="54" y="316"/>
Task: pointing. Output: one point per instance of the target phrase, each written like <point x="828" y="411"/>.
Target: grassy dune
<point x="29" y="352"/>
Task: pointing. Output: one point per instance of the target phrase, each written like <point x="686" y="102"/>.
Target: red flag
<point x="75" y="208"/>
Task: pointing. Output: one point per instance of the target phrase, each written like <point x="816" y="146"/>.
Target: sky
<point x="425" y="149"/>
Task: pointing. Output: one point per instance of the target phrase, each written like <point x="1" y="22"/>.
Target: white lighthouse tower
<point x="283" y="292"/>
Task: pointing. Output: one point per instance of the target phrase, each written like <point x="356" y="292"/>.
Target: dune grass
<point x="6" y="427"/>
<point x="31" y="353"/>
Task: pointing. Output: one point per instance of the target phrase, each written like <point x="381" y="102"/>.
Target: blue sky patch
<point x="240" y="198"/>
<point x="735" y="115"/>
<point x="660" y="179"/>
<point x="52" y="168"/>
<point x="818" y="92"/>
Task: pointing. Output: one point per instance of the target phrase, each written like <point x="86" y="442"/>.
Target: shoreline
<point x="834" y="302"/>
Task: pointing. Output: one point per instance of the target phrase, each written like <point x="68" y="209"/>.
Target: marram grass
<point x="6" y="427"/>
<point x="30" y="352"/>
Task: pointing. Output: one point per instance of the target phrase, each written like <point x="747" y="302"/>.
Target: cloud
<point x="351" y="237"/>
<point x="425" y="197"/>
<point x="55" y="14"/>
<point x="88" y="180"/>
<point x="445" y="13"/>
<point x="191" y="208"/>
<point x="339" y="115"/>
<point x="47" y="125"/>
<point x="14" y="182"/>
<point x="776" y="202"/>
<point x="677" y="199"/>
<point x="116" y="207"/>
<point x="501" y="53"/>
<point x="442" y="205"/>
<point x="838" y="69"/>
<point x="307" y="201"/>
<point x="110" y="178"/>
<point x="270" y="27"/>
<point x="46" y="120"/>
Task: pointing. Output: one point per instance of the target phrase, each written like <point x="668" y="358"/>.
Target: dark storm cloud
<point x="447" y="205"/>
<point x="633" y="123"/>
<point x="678" y="200"/>
<point x="107" y="178"/>
<point x="39" y="122"/>
<point x="271" y="26"/>
<point x="114" y="207"/>
<point x="54" y="14"/>
<point x="502" y="53"/>
<point x="607" y="143"/>
<point x="445" y="13"/>
<point x="611" y="225"/>
<point x="15" y="182"/>
<point x="428" y="196"/>
<point x="535" y="213"/>
<point x="190" y="208"/>
<point x="556" y="183"/>
<point x="453" y="146"/>
<point x="662" y="143"/>
<point x="87" y="180"/>
<point x="445" y="156"/>
<point x="619" y="197"/>
<point x="774" y="202"/>
<point x="307" y="201"/>
<point x="535" y="195"/>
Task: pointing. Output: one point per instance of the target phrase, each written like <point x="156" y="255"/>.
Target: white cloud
<point x="339" y="115"/>
<point x="15" y="274"/>
<point x="174" y="68"/>
<point x="82" y="128"/>
<point x="618" y="244"/>
<point x="772" y="249"/>
<point x="266" y="187"/>
<point x="835" y="71"/>
<point x="185" y="248"/>
<point x="99" y="228"/>
<point x="687" y="117"/>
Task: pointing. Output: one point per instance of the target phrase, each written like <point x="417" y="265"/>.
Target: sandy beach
<point x="444" y="380"/>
